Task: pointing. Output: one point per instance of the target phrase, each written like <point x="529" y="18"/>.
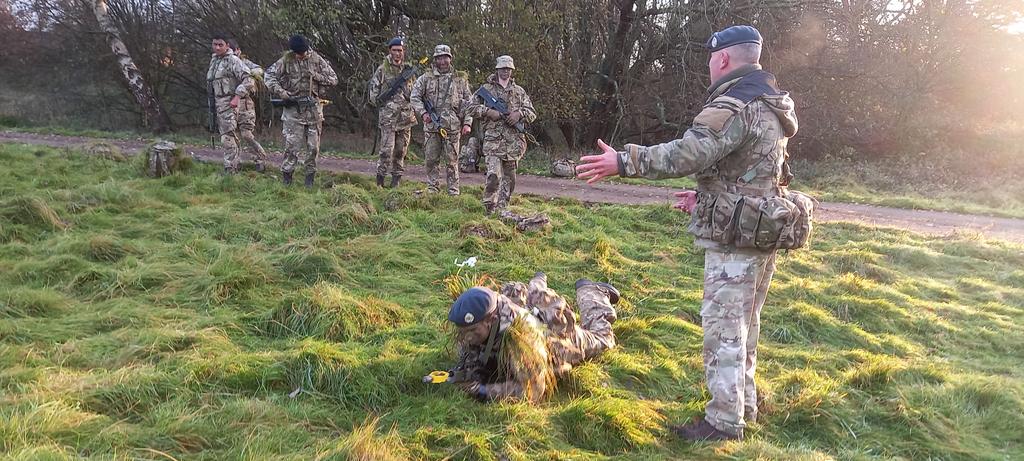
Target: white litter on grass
<point x="470" y="261"/>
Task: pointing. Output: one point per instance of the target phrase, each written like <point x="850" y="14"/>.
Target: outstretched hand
<point x="593" y="168"/>
<point x="687" y="201"/>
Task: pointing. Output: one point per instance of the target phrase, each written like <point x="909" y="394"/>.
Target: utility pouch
<point x="750" y="221"/>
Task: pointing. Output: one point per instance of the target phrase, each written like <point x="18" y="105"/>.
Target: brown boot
<point x="700" y="430"/>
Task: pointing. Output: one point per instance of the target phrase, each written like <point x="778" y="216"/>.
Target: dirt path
<point x="927" y="222"/>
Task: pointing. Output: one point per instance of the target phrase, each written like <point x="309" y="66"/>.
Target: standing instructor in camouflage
<point x="737" y="150"/>
<point x="247" y="111"/>
<point x="395" y="116"/>
<point x="504" y="144"/>
<point x="229" y="81"/>
<point x="303" y="76"/>
<point x="447" y="92"/>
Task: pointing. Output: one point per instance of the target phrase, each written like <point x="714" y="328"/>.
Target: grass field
<point x="200" y="317"/>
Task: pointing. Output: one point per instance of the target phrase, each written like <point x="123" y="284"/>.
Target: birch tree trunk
<point x="153" y="112"/>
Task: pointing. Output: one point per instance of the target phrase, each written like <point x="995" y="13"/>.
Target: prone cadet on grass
<point x="514" y="344"/>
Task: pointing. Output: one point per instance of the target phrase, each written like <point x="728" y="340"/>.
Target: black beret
<point x="734" y="35"/>
<point x="397" y="41"/>
<point x="298" y="44"/>
<point x="471" y="307"/>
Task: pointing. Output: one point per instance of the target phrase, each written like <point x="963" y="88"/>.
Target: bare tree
<point x="152" y="110"/>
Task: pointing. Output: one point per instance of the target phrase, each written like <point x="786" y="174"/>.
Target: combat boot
<point x="286" y="177"/>
<point x="380" y="181"/>
<point x="700" y="430"/>
<point x="260" y="168"/>
<point x="396" y="179"/>
<point x="309" y="180"/>
<point x="612" y="292"/>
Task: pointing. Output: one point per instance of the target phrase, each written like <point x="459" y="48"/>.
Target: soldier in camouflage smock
<point x="230" y="81"/>
<point x="514" y="344"/>
<point x="395" y="116"/>
<point x="504" y="143"/>
<point x="247" y="111"/>
<point x="737" y="150"/>
<point x="448" y="93"/>
<point x="301" y="73"/>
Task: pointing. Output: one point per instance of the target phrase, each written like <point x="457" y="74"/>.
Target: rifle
<point x="211" y="105"/>
<point x="434" y="118"/>
<point x="396" y="85"/>
<point x="497" y="104"/>
<point x="302" y="102"/>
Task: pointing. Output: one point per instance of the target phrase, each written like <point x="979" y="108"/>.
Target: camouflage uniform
<point x="567" y="339"/>
<point x="449" y="93"/>
<point x="737" y="145"/>
<point x="228" y="78"/>
<point x="503" y="144"/>
<point x="247" y="116"/>
<point x="291" y="77"/>
<point x="395" y="118"/>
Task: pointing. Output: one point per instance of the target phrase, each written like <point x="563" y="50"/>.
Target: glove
<point x="492" y="115"/>
<point x="475" y="389"/>
<point x="514" y="118"/>
<point x="257" y="74"/>
<point x="284" y="94"/>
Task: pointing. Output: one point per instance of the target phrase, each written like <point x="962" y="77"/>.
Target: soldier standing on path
<point x="440" y="97"/>
<point x="390" y="90"/>
<point x="514" y="344"/>
<point x="302" y="76"/>
<point x="247" y="111"/>
<point x="229" y="81"/>
<point x="504" y="138"/>
<point x="737" y="149"/>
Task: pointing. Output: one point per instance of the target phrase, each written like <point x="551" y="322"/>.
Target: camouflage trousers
<point x="394" y="144"/>
<point x="299" y="136"/>
<point x="227" y="125"/>
<point x="246" y="128"/>
<point x="735" y="288"/>
<point x="570" y="341"/>
<point x="501" y="181"/>
<point x="436" y="148"/>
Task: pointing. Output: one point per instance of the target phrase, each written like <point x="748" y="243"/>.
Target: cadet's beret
<point x="734" y="35"/>
<point x="471" y="307"/>
<point x="298" y="44"/>
<point x="397" y="41"/>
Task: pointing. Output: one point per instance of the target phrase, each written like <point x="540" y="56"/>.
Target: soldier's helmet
<point x="442" y="50"/>
<point x="471" y="307"/>
<point x="505" y="62"/>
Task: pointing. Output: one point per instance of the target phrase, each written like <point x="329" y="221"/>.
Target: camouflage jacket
<point x="228" y="76"/>
<point x="291" y="77"/>
<point x="256" y="71"/>
<point x="500" y="138"/>
<point x="396" y="111"/>
<point x="554" y="325"/>
<point x="449" y="93"/>
<point x="737" y="143"/>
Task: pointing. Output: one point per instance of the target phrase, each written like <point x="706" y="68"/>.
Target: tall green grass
<point x="203" y="317"/>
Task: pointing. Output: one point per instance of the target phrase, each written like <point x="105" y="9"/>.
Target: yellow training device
<point x="436" y="377"/>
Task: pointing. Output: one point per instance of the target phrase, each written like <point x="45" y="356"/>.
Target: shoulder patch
<point x="715" y="117"/>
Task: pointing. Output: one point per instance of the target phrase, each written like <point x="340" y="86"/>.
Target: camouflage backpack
<point x="563" y="168"/>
